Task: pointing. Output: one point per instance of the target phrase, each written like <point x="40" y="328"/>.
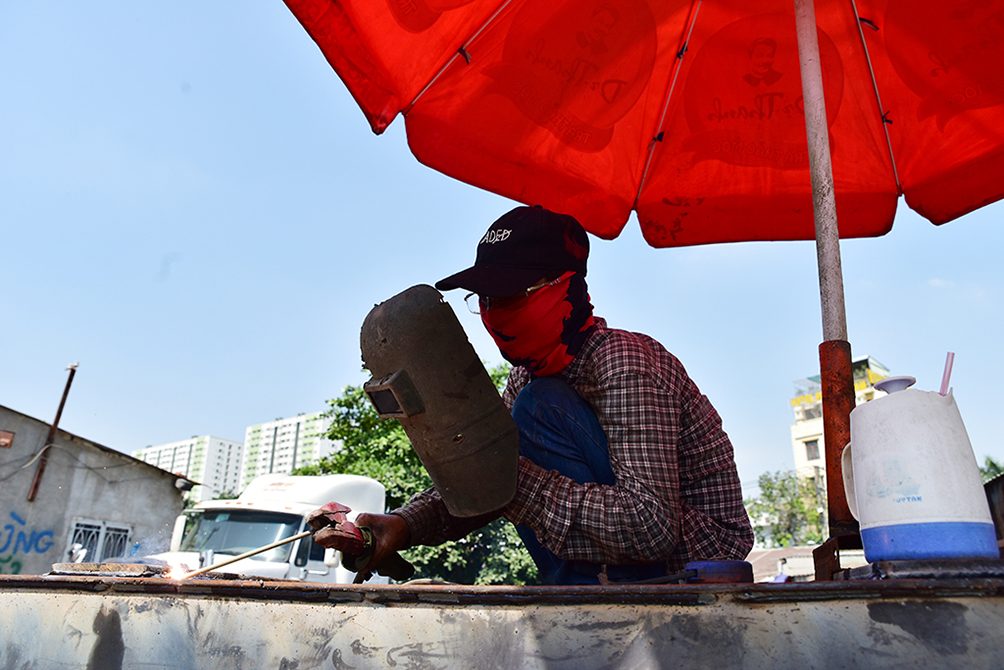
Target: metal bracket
<point x="826" y="557"/>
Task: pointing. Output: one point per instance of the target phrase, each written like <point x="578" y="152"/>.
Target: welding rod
<point x="247" y="554"/>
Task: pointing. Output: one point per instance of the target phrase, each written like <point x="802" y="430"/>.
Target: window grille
<point x="96" y="541"/>
<point x="87" y="536"/>
<point x="116" y="541"/>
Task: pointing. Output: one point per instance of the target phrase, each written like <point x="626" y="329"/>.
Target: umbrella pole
<point x="835" y="351"/>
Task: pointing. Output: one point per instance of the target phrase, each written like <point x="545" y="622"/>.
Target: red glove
<point x="334" y="530"/>
<point x="363" y="548"/>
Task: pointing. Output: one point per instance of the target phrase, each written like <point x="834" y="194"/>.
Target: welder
<point x="625" y="473"/>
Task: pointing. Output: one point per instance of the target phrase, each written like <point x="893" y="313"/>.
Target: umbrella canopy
<point x="690" y="113"/>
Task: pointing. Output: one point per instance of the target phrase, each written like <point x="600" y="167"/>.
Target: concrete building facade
<point x="282" y="445"/>
<point x="808" y="445"/>
<point x="213" y="462"/>
<point x="91" y="502"/>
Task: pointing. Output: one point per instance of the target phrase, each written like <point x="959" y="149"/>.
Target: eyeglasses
<point x="482" y="303"/>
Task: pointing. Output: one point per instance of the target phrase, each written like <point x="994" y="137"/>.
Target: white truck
<point x="270" y="509"/>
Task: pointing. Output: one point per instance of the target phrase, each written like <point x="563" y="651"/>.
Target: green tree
<point x="991" y="469"/>
<point x="786" y="512"/>
<point x="380" y="449"/>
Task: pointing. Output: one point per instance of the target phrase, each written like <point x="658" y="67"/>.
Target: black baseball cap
<point x="522" y="247"/>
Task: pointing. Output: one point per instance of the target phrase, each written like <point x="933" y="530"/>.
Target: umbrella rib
<point x="657" y="137"/>
<point x="878" y="98"/>
<point x="462" y="51"/>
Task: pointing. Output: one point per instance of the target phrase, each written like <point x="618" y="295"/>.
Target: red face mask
<point x="544" y="330"/>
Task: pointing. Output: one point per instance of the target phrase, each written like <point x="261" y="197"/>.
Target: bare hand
<point x="390" y="534"/>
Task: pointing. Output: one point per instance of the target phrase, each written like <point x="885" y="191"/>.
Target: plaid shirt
<point x="677" y="497"/>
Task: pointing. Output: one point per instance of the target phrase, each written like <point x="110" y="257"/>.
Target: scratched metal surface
<point x="100" y="622"/>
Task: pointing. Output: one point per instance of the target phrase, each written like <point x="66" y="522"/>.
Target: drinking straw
<point x="948" y="373"/>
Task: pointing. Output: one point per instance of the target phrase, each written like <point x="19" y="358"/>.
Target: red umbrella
<point x="695" y="116"/>
<point x="588" y="106"/>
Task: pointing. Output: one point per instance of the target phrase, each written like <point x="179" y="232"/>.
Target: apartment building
<point x="282" y="445"/>
<point x="212" y="461"/>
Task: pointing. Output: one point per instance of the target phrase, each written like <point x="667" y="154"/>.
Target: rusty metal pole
<point x="838" y="401"/>
<point x="44" y="458"/>
<point x="835" y="351"/>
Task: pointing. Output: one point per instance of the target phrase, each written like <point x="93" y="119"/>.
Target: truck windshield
<point x="238" y="531"/>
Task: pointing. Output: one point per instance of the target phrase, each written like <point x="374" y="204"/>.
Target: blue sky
<point x="193" y="208"/>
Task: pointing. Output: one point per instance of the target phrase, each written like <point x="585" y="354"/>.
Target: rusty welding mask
<point x="427" y="375"/>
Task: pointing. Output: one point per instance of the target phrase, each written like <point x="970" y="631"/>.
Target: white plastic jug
<point x="912" y="480"/>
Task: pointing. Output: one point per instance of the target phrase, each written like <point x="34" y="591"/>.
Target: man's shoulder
<point x="617" y="338"/>
<point x="616" y="350"/>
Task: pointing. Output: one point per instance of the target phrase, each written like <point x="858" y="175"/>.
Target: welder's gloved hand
<point x="370" y="545"/>
<point x="334" y="530"/>
<point x="390" y="535"/>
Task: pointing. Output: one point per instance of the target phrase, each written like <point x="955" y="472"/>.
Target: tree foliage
<point x="379" y="448"/>
<point x="787" y="512"/>
<point x="991" y="469"/>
